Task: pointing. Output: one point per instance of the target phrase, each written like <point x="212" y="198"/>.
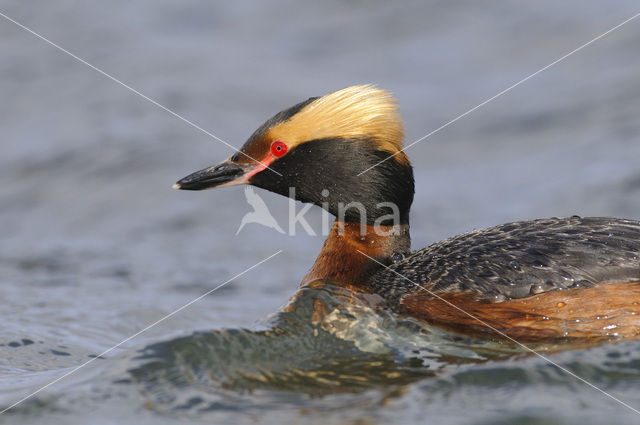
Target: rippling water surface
<point x="327" y="356"/>
<point x="95" y="246"/>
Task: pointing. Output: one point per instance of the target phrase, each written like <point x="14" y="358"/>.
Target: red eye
<point x="278" y="148"/>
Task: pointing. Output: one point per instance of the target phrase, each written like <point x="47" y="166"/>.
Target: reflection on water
<point x="324" y="342"/>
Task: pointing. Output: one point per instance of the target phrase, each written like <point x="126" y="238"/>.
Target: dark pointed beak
<point x="225" y="174"/>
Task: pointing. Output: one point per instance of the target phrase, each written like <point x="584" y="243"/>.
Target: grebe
<point x="550" y="278"/>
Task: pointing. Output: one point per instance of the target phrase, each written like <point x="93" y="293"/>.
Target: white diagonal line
<point x="565" y="370"/>
<point x="504" y="91"/>
<point x="114" y="79"/>
<point x="138" y="333"/>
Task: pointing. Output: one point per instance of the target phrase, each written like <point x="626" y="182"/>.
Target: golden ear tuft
<point x="356" y="112"/>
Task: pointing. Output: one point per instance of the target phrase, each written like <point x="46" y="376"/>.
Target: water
<point x="95" y="245"/>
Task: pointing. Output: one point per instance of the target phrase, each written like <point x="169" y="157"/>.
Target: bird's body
<point x="520" y="259"/>
<point x="550" y="278"/>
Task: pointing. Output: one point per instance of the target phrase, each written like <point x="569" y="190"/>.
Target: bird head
<point x="315" y="151"/>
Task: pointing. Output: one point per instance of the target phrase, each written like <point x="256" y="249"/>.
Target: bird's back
<point x="520" y="259"/>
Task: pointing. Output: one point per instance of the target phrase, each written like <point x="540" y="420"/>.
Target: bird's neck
<point x="354" y="251"/>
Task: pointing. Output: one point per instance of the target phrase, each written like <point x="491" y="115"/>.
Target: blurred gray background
<point x="94" y="242"/>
